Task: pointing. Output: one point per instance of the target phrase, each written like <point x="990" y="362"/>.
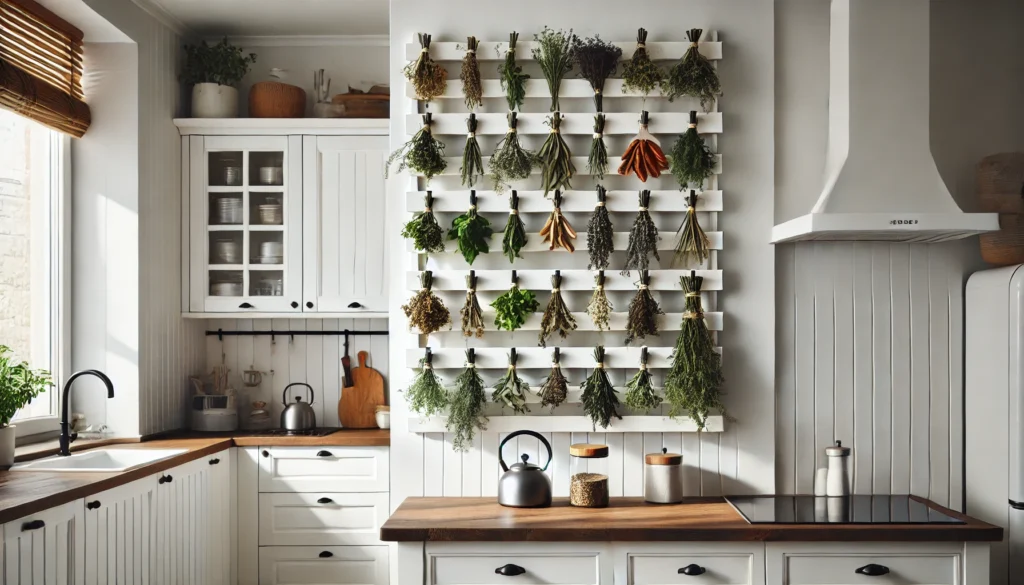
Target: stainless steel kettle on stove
<point x="524" y="485"/>
<point x="298" y="415"/>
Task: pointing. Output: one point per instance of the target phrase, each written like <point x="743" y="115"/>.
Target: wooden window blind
<point x="41" y="67"/>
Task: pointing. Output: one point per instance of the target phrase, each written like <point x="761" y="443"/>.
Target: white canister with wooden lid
<point x="663" y="477"/>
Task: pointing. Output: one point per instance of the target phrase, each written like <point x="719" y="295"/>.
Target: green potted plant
<point x="19" y="384"/>
<point x="213" y="71"/>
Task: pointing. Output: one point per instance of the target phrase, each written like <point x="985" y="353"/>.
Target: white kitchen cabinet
<point x="119" y="525"/>
<point x="321" y="518"/>
<point x="323" y="565"/>
<point x="324" y="469"/>
<point x="683" y="563"/>
<point x="527" y="563"/>
<point x="855" y="563"/>
<point x="45" y="548"/>
<point x="182" y="524"/>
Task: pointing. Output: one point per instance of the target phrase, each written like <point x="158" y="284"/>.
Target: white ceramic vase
<point x="211" y="100"/>
<point x="7" y="446"/>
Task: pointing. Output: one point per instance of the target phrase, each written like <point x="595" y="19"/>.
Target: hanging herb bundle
<point x="472" y="316"/>
<point x="642" y="319"/>
<point x="466" y="405"/>
<point x="555" y="388"/>
<point x="597" y="161"/>
<point x="513" y="80"/>
<point x="596" y="60"/>
<point x="515" y="231"/>
<point x="600" y="400"/>
<point x="693" y="245"/>
<point x="599" y="309"/>
<point x="640" y="74"/>
<point x="510" y="161"/>
<point x="693" y="382"/>
<point x="425" y="311"/>
<point x="557" y="317"/>
<point x="511" y="390"/>
<point x="472" y="90"/>
<point x="428" y="78"/>
<point x="555" y="159"/>
<point x="554" y="51"/>
<point x="693" y="75"/>
<point x="472" y="162"/>
<point x="640" y="395"/>
<point x="471" y="231"/>
<point x="643" y="238"/>
<point x="514" y="306"/>
<point x="423" y="153"/>
<point x="556" y="231"/>
<point x="643" y="157"/>
<point x="599" y="233"/>
<point x="691" y="161"/>
<point x="424" y="231"/>
<point x="426" y="395"/>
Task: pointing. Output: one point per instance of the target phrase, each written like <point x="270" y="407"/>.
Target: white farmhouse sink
<point x="99" y="460"/>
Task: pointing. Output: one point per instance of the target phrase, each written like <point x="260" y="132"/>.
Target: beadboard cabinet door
<point x="118" y="534"/>
<point x="182" y="524"/>
<point x="344" y="232"/>
<point x="45" y="548"/>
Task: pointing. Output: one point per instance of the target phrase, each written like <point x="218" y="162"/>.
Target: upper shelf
<point x="284" y="126"/>
<point x="495" y="51"/>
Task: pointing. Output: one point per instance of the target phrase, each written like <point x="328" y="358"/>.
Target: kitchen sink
<point x="99" y="460"/>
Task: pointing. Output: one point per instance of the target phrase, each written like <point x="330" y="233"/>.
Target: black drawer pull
<point x="354" y="305"/>
<point x="214" y="461"/>
<point x="510" y="570"/>
<point x="325" y="501"/>
<point x="873" y="570"/>
<point x="326" y="554"/>
<point x="266" y="453"/>
<point x="309" y="304"/>
<point x="245" y="306"/>
<point x="295" y="304"/>
<point x="33" y="525"/>
<point x="92" y="505"/>
<point x="692" y="570"/>
<point x="324" y="454"/>
<point x="165" y="479"/>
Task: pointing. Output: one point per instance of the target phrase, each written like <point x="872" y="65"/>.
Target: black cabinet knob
<point x="354" y="305"/>
<point x="266" y="453"/>
<point x="245" y="306"/>
<point x="166" y="479"/>
<point x="214" y="461"/>
<point x="309" y="304"/>
<point x="92" y="505"/>
<point x="692" y="570"/>
<point x="324" y="501"/>
<point x="295" y="304"/>
<point x="33" y="525"/>
<point x="162" y="480"/>
<point x="510" y="570"/>
<point x="326" y="554"/>
<point x="324" y="454"/>
<point x="873" y="570"/>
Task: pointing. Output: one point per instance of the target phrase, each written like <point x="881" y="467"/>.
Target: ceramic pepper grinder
<point x="838" y="482"/>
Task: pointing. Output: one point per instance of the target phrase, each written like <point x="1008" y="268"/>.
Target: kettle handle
<point x="529" y="433"/>
<point x="284" y="395"/>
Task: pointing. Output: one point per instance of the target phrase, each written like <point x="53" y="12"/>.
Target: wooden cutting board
<point x="359" y="401"/>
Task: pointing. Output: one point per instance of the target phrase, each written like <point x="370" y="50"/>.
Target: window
<point x="32" y="178"/>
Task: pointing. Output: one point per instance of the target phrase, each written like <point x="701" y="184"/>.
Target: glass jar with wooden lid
<point x="663" y="477"/>
<point x="587" y="489"/>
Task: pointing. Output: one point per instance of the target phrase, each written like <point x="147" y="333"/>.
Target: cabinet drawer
<point x="710" y="568"/>
<point x="324" y="469"/>
<point x="321" y="518"/>
<point x="562" y="568"/>
<point x="841" y="569"/>
<point x="324" y="565"/>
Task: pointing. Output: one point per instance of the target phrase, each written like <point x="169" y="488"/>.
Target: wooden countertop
<point x="631" y="519"/>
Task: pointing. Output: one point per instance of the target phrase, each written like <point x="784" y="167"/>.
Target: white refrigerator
<point x="994" y="412"/>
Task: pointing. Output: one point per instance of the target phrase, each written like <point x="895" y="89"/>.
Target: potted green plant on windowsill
<point x="19" y="384"/>
<point x="214" y="71"/>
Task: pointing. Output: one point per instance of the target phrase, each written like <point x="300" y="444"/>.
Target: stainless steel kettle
<point x="524" y="485"/>
<point x="298" y="415"/>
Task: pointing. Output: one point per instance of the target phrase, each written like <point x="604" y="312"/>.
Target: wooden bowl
<point x="273" y="99"/>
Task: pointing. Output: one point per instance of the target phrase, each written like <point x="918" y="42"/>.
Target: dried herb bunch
<point x="691" y="161"/>
<point x="639" y="73"/>
<point x="642" y="319"/>
<point x="693" y="244"/>
<point x="472" y="90"/>
<point x="510" y="161"/>
<point x="428" y="78"/>
<point x="557" y="318"/>
<point x="599" y="309"/>
<point x="596" y="61"/>
<point x="556" y="231"/>
<point x="425" y="311"/>
<point x="643" y="157"/>
<point x="472" y="316"/>
<point x="423" y="153"/>
<point x="471" y="231"/>
<point x="599" y="233"/>
<point x="600" y="400"/>
<point x="472" y="161"/>
<point x="515" y="231"/>
<point x="513" y="80"/>
<point x="426" y="395"/>
<point x="694" y="380"/>
<point x="554" y="51"/>
<point x="514" y="306"/>
<point x="424" y="231"/>
<point x="511" y="390"/>
<point x="597" y="160"/>
<point x="466" y="405"/>
<point x="555" y="159"/>
<point x="640" y="395"/>
<point x="643" y="238"/>
<point x="555" y="388"/>
<point x="693" y="75"/>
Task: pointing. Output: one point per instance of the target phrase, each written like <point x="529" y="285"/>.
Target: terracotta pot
<point x="7" y="435"/>
<point x="273" y="99"/>
<point x="211" y="100"/>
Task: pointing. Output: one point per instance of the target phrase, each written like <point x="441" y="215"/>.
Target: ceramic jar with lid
<point x="586" y="489"/>
<point x="837" y="483"/>
<point x="663" y="477"/>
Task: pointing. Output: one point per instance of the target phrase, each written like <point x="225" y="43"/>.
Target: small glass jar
<point x="663" y="477"/>
<point x="586" y="489"/>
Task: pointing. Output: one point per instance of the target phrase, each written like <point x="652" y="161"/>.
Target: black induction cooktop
<point x="859" y="509"/>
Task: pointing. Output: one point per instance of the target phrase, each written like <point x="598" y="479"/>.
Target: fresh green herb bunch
<point x="555" y="159"/>
<point x="472" y="90"/>
<point x="555" y="51"/>
<point x="693" y="245"/>
<point x="426" y="395"/>
<point x="471" y="231"/>
<point x="425" y="311"/>
<point x="513" y="80"/>
<point x="221" y="63"/>
<point x="640" y="395"/>
<point x="693" y="75"/>
<point x="423" y="153"/>
<point x="514" y="306"/>
<point x="466" y="405"/>
<point x="600" y="400"/>
<point x="691" y="161"/>
<point x="428" y="78"/>
<point x="643" y="238"/>
<point x="597" y="161"/>
<point x="19" y="384"/>
<point x="694" y="380"/>
<point x="557" y="317"/>
<point x="639" y="73"/>
<point x="642" y="319"/>
<point x="511" y="390"/>
<point x="424" y="231"/>
<point x="510" y="161"/>
<point x="472" y="162"/>
<point x="599" y="309"/>
<point x="472" y="316"/>
<point x="515" y="231"/>
<point x="555" y="388"/>
<point x="599" y="233"/>
<point x="596" y="61"/>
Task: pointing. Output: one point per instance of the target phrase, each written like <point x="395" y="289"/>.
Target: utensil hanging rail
<point x="220" y="333"/>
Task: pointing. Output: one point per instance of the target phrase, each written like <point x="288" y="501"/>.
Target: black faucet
<point x="66" y="436"/>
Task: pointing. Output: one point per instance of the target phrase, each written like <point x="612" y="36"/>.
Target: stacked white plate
<point x="226" y="289"/>
<point x="270" y="214"/>
<point x="229" y="210"/>
<point x="271" y="253"/>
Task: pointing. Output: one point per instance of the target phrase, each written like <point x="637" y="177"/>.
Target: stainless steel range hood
<point x="881" y="183"/>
